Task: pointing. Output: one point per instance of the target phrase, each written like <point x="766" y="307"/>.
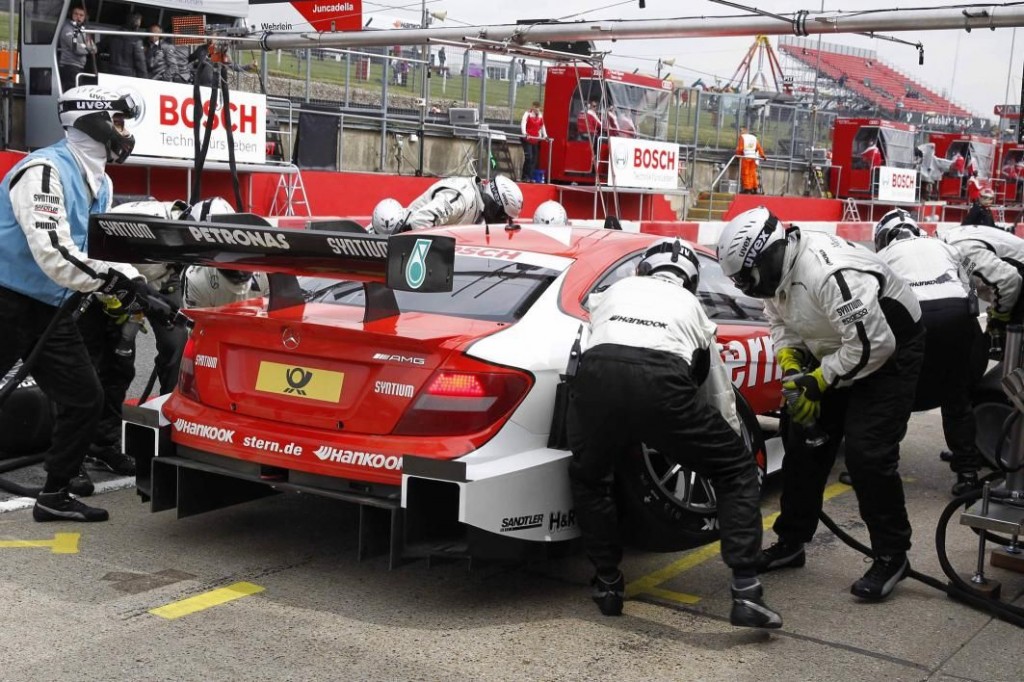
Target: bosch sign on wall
<point x="165" y="127"/>
<point x="643" y="163"/>
<point x="305" y="15"/>
<point x="897" y="184"/>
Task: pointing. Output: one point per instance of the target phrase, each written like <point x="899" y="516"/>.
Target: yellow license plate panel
<point x="296" y="381"/>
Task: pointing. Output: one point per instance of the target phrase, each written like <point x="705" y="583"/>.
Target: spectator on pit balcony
<point x="127" y="53"/>
<point x="166" y="62"/>
<point x="74" y="49"/>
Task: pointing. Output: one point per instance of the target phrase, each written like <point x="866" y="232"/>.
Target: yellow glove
<point x="807" y="391"/>
<point x="791" y="360"/>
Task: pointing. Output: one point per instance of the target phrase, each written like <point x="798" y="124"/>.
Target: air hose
<point x="957" y="588"/>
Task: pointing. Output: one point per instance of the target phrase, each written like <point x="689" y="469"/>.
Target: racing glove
<point x="791" y="360"/>
<point x="805" y="407"/>
<point x="124" y="298"/>
<point x="996" y="331"/>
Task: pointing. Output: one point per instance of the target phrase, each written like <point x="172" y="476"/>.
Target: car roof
<point x="564" y="241"/>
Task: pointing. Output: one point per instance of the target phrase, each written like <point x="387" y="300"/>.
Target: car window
<point x="484" y="289"/>
<point x="719" y="296"/>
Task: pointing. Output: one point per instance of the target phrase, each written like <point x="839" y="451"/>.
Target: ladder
<point x="851" y="214"/>
<point x="501" y="158"/>
<point x="290" y="194"/>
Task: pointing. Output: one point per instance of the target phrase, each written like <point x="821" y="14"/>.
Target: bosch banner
<point x="165" y="126"/>
<point x="643" y="163"/>
<point x="897" y="184"/>
<point x="306" y="15"/>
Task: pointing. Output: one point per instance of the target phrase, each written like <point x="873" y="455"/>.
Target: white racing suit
<point x="452" y="201"/>
<point x="652" y="374"/>
<point x="857" y="318"/>
<point x="954" y="356"/>
<point x="206" y="288"/>
<point x="995" y="259"/>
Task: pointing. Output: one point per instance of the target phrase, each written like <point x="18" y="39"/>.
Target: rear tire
<point x="991" y="410"/>
<point x="26" y="420"/>
<point x="667" y="508"/>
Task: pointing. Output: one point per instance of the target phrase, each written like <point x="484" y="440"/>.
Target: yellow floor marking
<point x="206" y="600"/>
<point x="62" y="543"/>
<point x="649" y="584"/>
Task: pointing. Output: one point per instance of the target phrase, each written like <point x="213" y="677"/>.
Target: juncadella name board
<point x="165" y="127"/>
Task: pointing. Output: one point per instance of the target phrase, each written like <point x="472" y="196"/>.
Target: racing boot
<point x="60" y="506"/>
<point x="110" y="458"/>
<point x="880" y="580"/>
<point x="608" y="594"/>
<point x="782" y="554"/>
<point x="749" y="609"/>
<point x="966" y="481"/>
<point x="81" y="484"/>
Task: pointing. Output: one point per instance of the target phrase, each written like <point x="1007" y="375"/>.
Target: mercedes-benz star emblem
<point x="290" y="338"/>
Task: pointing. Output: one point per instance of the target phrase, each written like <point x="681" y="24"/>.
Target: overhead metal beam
<point x="801" y="23"/>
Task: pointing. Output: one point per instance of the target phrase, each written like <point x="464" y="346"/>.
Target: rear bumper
<point x="508" y="508"/>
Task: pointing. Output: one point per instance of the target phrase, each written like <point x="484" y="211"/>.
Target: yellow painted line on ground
<point x="206" y="600"/>
<point x="649" y="584"/>
<point x="62" y="543"/>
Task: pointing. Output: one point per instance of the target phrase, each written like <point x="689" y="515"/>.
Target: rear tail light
<point x="187" y="370"/>
<point x="458" y="402"/>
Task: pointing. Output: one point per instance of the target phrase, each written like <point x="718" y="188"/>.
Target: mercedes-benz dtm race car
<point x="433" y="403"/>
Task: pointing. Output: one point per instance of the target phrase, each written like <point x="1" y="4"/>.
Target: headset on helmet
<point x="550" y="213"/>
<point x="751" y="250"/>
<point x="100" y="113"/>
<point x="507" y="196"/>
<point x="388" y="217"/>
<point x="673" y="256"/>
<point x="896" y="224"/>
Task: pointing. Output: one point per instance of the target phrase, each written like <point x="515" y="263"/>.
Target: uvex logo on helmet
<point x="755" y="249"/>
<point x="91" y="105"/>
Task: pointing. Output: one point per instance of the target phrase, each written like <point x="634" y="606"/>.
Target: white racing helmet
<point x="508" y="195"/>
<point x="207" y="210"/>
<point x="100" y="113"/>
<point x="388" y="217"/>
<point x="673" y="256"/>
<point x="896" y="224"/>
<point x="550" y="213"/>
<point x="751" y="250"/>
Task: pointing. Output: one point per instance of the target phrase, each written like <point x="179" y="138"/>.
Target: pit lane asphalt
<point x="303" y="608"/>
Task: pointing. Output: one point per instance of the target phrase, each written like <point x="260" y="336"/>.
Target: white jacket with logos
<point x="995" y="259"/>
<point x="933" y="269"/>
<point x="660" y="314"/>
<point x="829" y="303"/>
<point x="452" y="201"/>
<point x="206" y="288"/>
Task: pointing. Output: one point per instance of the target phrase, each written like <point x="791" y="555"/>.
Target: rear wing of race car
<point x="403" y="262"/>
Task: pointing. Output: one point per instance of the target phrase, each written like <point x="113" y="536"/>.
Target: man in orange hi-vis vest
<point x="750" y="152"/>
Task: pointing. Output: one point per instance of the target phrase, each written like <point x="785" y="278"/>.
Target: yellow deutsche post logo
<point x="301" y="382"/>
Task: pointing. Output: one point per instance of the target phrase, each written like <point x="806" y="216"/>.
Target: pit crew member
<point x="850" y="342"/>
<point x="980" y="212"/>
<point x="466" y="201"/>
<point x="652" y="374"/>
<point x="550" y="212"/>
<point x="45" y="204"/>
<point x="388" y="217"/>
<point x="995" y="260"/>
<point x="949" y="310"/>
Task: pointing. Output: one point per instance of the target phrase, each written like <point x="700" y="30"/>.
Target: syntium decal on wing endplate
<point x="124" y="228"/>
<point x="362" y="248"/>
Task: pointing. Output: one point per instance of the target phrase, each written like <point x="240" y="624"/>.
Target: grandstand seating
<point x="874" y="81"/>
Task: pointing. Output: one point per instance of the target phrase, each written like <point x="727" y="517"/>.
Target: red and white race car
<point x="432" y="403"/>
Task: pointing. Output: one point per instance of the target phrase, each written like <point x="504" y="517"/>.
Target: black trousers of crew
<point x="872" y="416"/>
<point x="170" y="341"/>
<point x="948" y="374"/>
<point x="624" y="396"/>
<point x="531" y="150"/>
<point x="63" y="371"/>
<point x="102" y="335"/>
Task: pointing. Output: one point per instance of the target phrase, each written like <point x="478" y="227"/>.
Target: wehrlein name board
<point x="166" y="125"/>
<point x="322" y="16"/>
<point x="644" y="163"/>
